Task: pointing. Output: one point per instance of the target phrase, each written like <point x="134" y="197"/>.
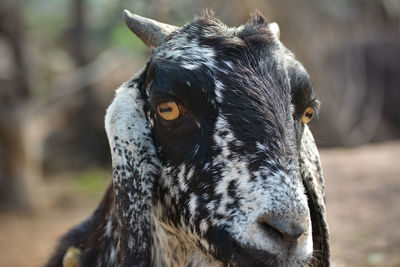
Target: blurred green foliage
<point x="93" y="180"/>
<point x="123" y="38"/>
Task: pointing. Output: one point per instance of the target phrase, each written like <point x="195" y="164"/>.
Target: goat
<point x="213" y="161"/>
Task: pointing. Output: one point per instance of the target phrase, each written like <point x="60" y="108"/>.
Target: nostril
<point x="280" y="229"/>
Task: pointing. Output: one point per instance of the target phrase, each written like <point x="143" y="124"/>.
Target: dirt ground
<point x="363" y="200"/>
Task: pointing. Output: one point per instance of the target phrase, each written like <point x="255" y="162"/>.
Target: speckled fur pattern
<point x="135" y="168"/>
<point x="213" y="187"/>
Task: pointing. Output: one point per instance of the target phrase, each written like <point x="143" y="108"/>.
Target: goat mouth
<point x="247" y="256"/>
<point x="233" y="253"/>
<point x="244" y="256"/>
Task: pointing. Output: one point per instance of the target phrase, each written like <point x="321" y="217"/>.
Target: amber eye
<point x="307" y="115"/>
<point x="169" y="110"/>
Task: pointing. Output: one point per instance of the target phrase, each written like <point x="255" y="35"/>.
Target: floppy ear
<point x="313" y="180"/>
<point x="135" y="169"/>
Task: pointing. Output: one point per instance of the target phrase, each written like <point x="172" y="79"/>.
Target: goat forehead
<point x="242" y="74"/>
<point x="198" y="45"/>
<point x="222" y="54"/>
<point x="185" y="50"/>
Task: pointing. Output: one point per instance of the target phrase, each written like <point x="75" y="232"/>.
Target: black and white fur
<point x="212" y="187"/>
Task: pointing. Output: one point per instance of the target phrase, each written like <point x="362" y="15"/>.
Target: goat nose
<point x="280" y="229"/>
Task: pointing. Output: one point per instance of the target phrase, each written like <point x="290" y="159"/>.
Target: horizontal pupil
<point x="166" y="109"/>
<point x="309" y="115"/>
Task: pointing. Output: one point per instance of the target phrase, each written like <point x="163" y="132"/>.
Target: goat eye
<point x="169" y="111"/>
<point x="307" y="115"/>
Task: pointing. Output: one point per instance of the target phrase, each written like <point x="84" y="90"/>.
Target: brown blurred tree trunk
<point x="14" y="94"/>
<point x="79" y="46"/>
<point x="26" y="121"/>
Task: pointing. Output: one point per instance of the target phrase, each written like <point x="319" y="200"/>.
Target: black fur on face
<point x="233" y="153"/>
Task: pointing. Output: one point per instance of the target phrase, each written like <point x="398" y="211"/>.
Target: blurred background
<point x="61" y="60"/>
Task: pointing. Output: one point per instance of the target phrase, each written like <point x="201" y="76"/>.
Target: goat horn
<point x="151" y="32"/>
